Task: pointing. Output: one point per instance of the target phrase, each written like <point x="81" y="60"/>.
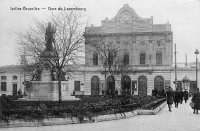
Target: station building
<point x="148" y="48"/>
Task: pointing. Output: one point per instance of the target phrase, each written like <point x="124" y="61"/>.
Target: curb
<point x="152" y="112"/>
<point x="76" y="120"/>
<point x="128" y="114"/>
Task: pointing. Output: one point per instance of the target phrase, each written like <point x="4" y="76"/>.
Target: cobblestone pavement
<point x="180" y="119"/>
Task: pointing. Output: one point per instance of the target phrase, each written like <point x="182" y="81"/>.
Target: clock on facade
<point x="125" y="17"/>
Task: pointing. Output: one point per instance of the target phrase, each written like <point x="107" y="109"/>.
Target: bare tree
<point x="67" y="43"/>
<point x="111" y="56"/>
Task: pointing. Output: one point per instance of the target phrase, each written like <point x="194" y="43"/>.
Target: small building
<point x="11" y="79"/>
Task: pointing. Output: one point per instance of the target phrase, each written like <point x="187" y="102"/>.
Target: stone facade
<point x="135" y="35"/>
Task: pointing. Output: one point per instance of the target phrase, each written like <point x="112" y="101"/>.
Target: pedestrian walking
<point x="169" y="97"/>
<point x="196" y="100"/>
<point x="181" y="96"/>
<point x="176" y="98"/>
<point x="185" y="94"/>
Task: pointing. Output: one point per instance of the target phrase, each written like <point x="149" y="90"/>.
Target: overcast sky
<point x="183" y="15"/>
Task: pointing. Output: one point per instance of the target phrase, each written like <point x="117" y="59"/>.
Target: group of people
<point x="175" y="97"/>
<point x="178" y="96"/>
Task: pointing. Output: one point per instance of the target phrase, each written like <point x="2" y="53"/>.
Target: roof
<point x="186" y="79"/>
<point x="10" y="69"/>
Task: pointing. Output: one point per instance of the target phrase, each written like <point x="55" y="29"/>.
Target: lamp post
<point x="196" y="52"/>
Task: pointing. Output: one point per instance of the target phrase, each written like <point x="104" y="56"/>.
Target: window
<point x="126" y="59"/>
<point x="14" y="77"/>
<point x="3" y="86"/>
<point x="95" y="59"/>
<point x="77" y="85"/>
<point x="110" y="58"/>
<point x="158" y="58"/>
<point x="3" y="77"/>
<point x="142" y="58"/>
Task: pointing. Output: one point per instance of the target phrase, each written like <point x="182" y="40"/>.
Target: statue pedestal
<point x="48" y="91"/>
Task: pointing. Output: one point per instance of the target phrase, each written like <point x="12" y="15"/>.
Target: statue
<point x="49" y="37"/>
<point x="54" y="75"/>
<point x="37" y="74"/>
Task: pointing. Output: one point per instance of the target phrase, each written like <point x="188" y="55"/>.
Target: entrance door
<point x="159" y="83"/>
<point x="14" y="89"/>
<point x="95" y="85"/>
<point x="142" y="85"/>
<point x="126" y="84"/>
<point x="110" y="85"/>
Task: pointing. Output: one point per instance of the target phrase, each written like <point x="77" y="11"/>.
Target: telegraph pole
<point x="175" y="67"/>
<point x="196" y="52"/>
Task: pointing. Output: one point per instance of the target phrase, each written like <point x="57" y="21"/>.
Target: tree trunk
<point x="59" y="87"/>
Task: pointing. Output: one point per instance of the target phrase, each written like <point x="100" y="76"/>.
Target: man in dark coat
<point x="169" y="97"/>
<point x="196" y="100"/>
<point x="176" y="98"/>
<point x="185" y="93"/>
<point x="181" y="96"/>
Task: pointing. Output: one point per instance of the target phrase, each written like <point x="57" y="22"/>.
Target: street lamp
<point x="196" y="52"/>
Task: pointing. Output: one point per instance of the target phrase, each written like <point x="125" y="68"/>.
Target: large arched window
<point x="159" y="83"/>
<point x="126" y="59"/>
<point x="126" y="84"/>
<point x="159" y="58"/>
<point x="142" y="85"/>
<point x="142" y="58"/>
<point x="110" y="85"/>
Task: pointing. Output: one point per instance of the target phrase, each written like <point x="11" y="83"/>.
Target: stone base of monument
<point x="48" y="91"/>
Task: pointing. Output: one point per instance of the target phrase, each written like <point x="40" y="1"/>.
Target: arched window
<point x="142" y="85"/>
<point x="126" y="59"/>
<point x="14" y="77"/>
<point x="159" y="58"/>
<point x="110" y="85"/>
<point x="95" y="59"/>
<point x="126" y="84"/>
<point x="159" y="83"/>
<point x="142" y="58"/>
<point x="3" y="77"/>
<point x="95" y="83"/>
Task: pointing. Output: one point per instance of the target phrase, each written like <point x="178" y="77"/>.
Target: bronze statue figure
<point x="37" y="74"/>
<point x="49" y="37"/>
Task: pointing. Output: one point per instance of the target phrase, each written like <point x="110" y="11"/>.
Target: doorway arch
<point x="159" y="83"/>
<point x="142" y="85"/>
<point x="110" y="85"/>
<point x="126" y="84"/>
<point x="95" y="85"/>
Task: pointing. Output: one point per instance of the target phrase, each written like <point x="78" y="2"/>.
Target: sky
<point x="183" y="15"/>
